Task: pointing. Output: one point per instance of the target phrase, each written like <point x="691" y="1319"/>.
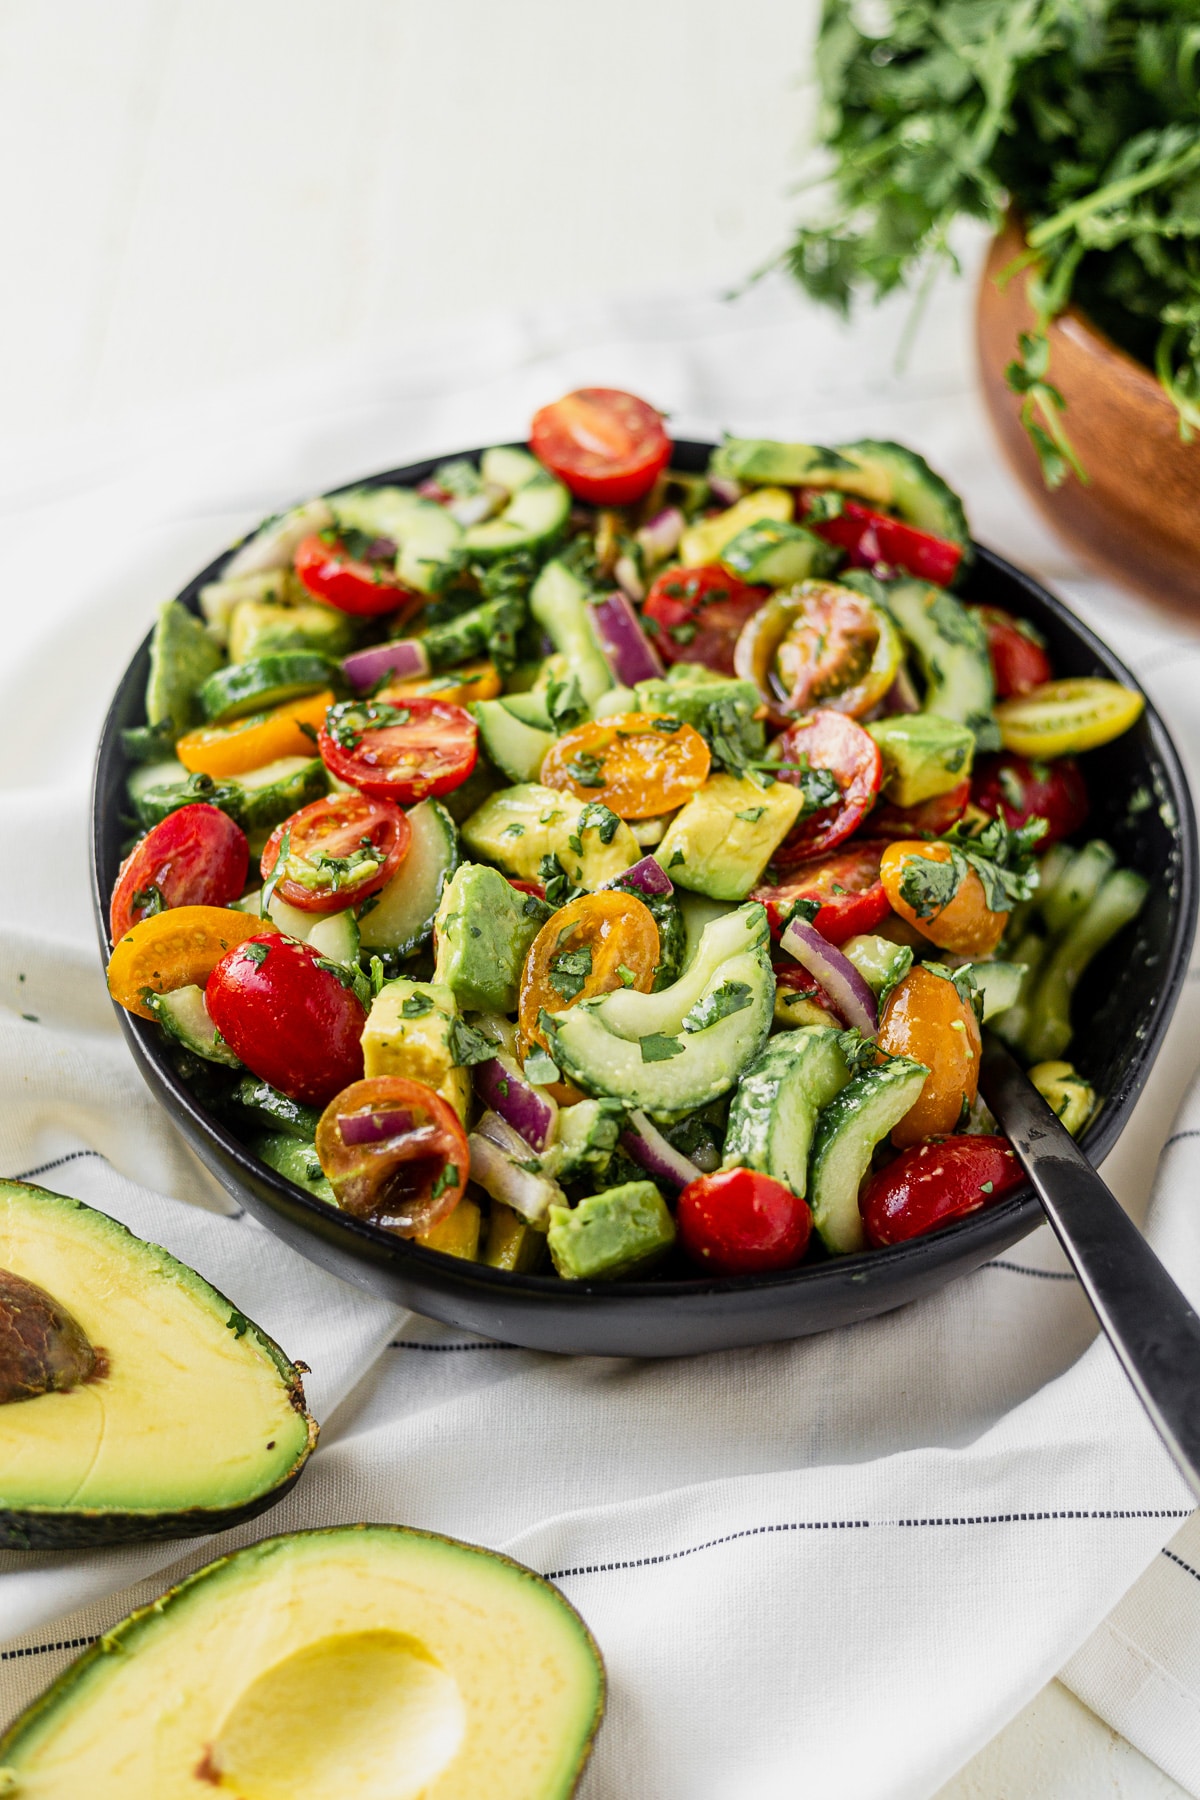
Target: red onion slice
<point x="402" y="659"/>
<point x="660" y="537"/>
<point x="627" y="649"/>
<point x="647" y="876"/>
<point x="497" y="1153"/>
<point x="501" y="1085"/>
<point x="374" y="1127"/>
<point x="836" y="974"/>
<point x="647" y="1146"/>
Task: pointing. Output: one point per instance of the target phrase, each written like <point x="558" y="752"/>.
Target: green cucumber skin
<point x="1047" y="1032"/>
<point x="777" y="1102"/>
<point x="951" y="648"/>
<point x="848" y="1130"/>
<point x="490" y="628"/>
<point x="264" y="682"/>
<point x="402" y="933"/>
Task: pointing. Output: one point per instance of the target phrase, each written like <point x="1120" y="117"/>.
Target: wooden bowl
<point x="1138" y="517"/>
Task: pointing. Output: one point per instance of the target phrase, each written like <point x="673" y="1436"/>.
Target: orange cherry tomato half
<point x="413" y="751"/>
<point x="638" y="764"/>
<point x="933" y="1184"/>
<point x="594" y="945"/>
<point x="174" y="949"/>
<point x="196" y="856"/>
<point x="336" y="852"/>
<point x="926" y="1017"/>
<point x="608" y="447"/>
<point x="845" y="885"/>
<point x="697" y="615"/>
<point x="252" y="742"/>
<point x="964" y="924"/>
<point x="353" y="585"/>
<point x="394" y="1152"/>
<point x="828" y="740"/>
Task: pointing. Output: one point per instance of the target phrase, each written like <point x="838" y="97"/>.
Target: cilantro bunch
<point x="1082" y="115"/>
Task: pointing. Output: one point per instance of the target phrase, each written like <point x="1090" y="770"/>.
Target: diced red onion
<point x="725" y="489"/>
<point x="497" y="1152"/>
<point x="661" y="536"/>
<point x="627" y="649"/>
<point x="628" y="578"/>
<point x="901" y="697"/>
<point x="501" y="1085"/>
<point x="374" y="1127"/>
<point x="647" y="876"/>
<point x="401" y="659"/>
<point x="647" y="1146"/>
<point x="835" y="972"/>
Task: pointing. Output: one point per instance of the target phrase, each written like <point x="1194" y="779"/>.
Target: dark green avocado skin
<point x="54" y="1530"/>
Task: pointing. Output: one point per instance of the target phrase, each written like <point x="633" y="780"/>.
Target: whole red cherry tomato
<point x="1021" y="790"/>
<point x="350" y="583"/>
<point x="287" y="1015"/>
<point x="1019" y="660"/>
<point x="845" y="885"/>
<point x="738" y="1222"/>
<point x="870" y="537"/>
<point x="336" y="852"/>
<point x="931" y="818"/>
<point x="404" y="752"/>
<point x="696" y="615"/>
<point x="933" y="1184"/>
<point x="395" y="1153"/>
<point x="194" y="857"/>
<point x="828" y="740"/>
<point x="607" y="446"/>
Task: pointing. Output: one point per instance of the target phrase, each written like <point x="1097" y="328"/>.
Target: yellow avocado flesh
<point x="359" y="1663"/>
<point x="195" y="1409"/>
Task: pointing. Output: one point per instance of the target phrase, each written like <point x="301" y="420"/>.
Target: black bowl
<point x="1122" y="1009"/>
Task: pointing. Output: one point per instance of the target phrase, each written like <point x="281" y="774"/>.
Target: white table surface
<point x="201" y="190"/>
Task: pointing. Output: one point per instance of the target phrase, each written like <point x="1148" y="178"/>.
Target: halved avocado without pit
<point x="366" y="1660"/>
<point x="135" y="1401"/>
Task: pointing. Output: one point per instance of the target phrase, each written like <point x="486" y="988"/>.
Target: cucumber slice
<point x="336" y="937"/>
<point x="509" y="467"/>
<point x="276" y="1111"/>
<point x="880" y="962"/>
<point x="383" y="512"/>
<point x="536" y="513"/>
<point x="1119" y="900"/>
<point x="401" y="920"/>
<point x="951" y="648"/>
<point x="182" y="657"/>
<point x="775" y="1108"/>
<point x="264" y="682"/>
<point x="184" y="1016"/>
<point x="276" y="540"/>
<point x="559" y="603"/>
<point x="847" y="1132"/>
<point x="516" y="749"/>
<point x="530" y="708"/>
<point x="779" y="554"/>
<point x="1077" y="885"/>
<point x="429" y="547"/>
<point x="154" y="775"/>
<point x="999" y="984"/>
<point x="293" y="1157"/>
<point x="263" y="797"/>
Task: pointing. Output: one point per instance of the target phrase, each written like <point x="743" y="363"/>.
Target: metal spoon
<point x="1149" y="1322"/>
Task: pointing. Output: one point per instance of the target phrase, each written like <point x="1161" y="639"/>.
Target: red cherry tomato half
<point x="696" y="615"/>
<point x="194" y="857"/>
<point x="290" y="1020"/>
<point x="351" y="584"/>
<point x="871" y="537"/>
<point x="738" y="1222"/>
<point x="828" y="740"/>
<point x="1019" y="660"/>
<point x="406" y="752"/>
<point x="394" y="1152"/>
<point x="790" y="975"/>
<point x="932" y="818"/>
<point x="336" y="851"/>
<point x="1021" y="790"/>
<point x="846" y="886"/>
<point x="933" y="1184"/>
<point x="527" y="887"/>
<point x="607" y="446"/>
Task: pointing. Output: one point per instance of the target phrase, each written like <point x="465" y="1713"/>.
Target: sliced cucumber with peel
<point x="847" y="1132"/>
<point x="509" y="467"/>
<point x="517" y="749"/>
<point x="778" y="1098"/>
<point x="951" y="648"/>
<point x="536" y="513"/>
<point x="559" y="603"/>
<point x="264" y="682"/>
<point x="184" y="1016"/>
<point x="1118" y="901"/>
<point x="401" y="920"/>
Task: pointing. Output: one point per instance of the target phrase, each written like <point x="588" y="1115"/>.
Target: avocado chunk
<point x="257" y="627"/>
<point x="720" y="843"/>
<point x="670" y="1052"/>
<point x="154" y="1408"/>
<point x="520" y="825"/>
<point x="182" y="657"/>
<point x="413" y="1029"/>
<point x="704" y="540"/>
<point x="610" y="1234"/>
<point x="484" y="929"/>
<point x="371" y="1660"/>
<point x="881" y="473"/>
<point x="774" y="1111"/>
<point x="923" y="755"/>
<point x="722" y="710"/>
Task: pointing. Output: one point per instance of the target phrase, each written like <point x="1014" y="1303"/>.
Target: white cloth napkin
<point x="830" y="1567"/>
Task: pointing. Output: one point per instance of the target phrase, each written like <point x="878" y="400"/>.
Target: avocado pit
<point x="43" y="1348"/>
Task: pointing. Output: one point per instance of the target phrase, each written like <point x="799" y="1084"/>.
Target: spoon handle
<point x="1149" y="1322"/>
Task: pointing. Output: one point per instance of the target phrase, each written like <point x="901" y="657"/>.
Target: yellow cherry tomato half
<point x="261" y="738"/>
<point x="594" y="945"/>
<point x="963" y="923"/>
<point x="819" y="644"/>
<point x="174" y="949"/>
<point x="1061" y="718"/>
<point x="926" y="1017"/>
<point x="474" y="681"/>
<point x="638" y="764"/>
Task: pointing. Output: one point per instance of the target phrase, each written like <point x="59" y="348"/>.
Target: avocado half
<point x="135" y="1401"/>
<point x="365" y="1660"/>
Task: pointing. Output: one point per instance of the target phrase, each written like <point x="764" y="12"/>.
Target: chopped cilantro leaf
<point x="415" y="1006"/>
<point x="569" y="971"/>
<point x="467" y="1046"/>
<point x="730" y="997"/>
<point x="657" y="1048"/>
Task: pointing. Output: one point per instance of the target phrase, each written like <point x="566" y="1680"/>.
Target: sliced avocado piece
<point x="184" y="1016"/>
<point x="400" y="918"/>
<point x="520" y="825"/>
<point x="720" y="843"/>
<point x="265" y="682"/>
<point x="372" y="1660"/>
<point x="558" y="601"/>
<point x="412" y="1030"/>
<point x="779" y="553"/>
<point x="274" y="587"/>
<point x="671" y="1052"/>
<point x="534" y="517"/>
<point x="723" y="711"/>
<point x="1070" y="1098"/>
<point x="775" y="1107"/>
<point x="182" y="657"/>
<point x="296" y="1159"/>
<point x="705" y="540"/>
<point x="484" y="929"/>
<point x="258" y="627"/>
<point x="517" y="749"/>
<point x="951" y="649"/>
<point x="848" y="1129"/>
<point x="610" y="1234"/>
<point x="884" y="474"/>
<point x="585" y="1137"/>
<point x="923" y="755"/>
<point x="190" y="1419"/>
